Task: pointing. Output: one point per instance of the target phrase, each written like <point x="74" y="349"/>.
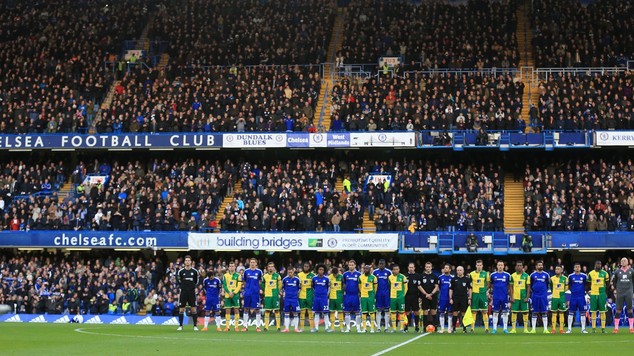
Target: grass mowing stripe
<point x="399" y="345"/>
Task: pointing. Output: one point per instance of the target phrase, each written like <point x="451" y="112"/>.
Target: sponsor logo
<point x="94" y="320"/>
<point x="39" y="319"/>
<point x="332" y="243"/>
<point x="146" y="321"/>
<point x="14" y="319"/>
<point x="120" y="321"/>
<point x="63" y="320"/>
<point x="172" y="321"/>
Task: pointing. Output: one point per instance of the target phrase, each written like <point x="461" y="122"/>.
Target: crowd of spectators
<point x="579" y="195"/>
<point x="299" y="196"/>
<point x="585" y="102"/>
<point x="569" y="34"/>
<point x="480" y="34"/>
<point x="52" y="58"/>
<point x="159" y="195"/>
<point x="239" y="99"/>
<point x="246" y="32"/>
<point x="423" y="101"/>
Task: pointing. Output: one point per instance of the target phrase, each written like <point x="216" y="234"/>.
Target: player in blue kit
<point x="291" y="285"/>
<point x="501" y="285"/>
<point x="577" y="285"/>
<point x="212" y="287"/>
<point x="251" y="294"/>
<point x="351" y="301"/>
<point x="382" y="274"/>
<point x="321" y="293"/>
<point x="444" y="306"/>
<point x="539" y="295"/>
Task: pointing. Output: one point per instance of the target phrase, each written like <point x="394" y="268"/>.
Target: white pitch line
<point x="399" y="345"/>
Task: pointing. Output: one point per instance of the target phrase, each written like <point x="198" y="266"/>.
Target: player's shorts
<point x="597" y="302"/>
<point x="367" y="305"/>
<point x="558" y="304"/>
<point x="232" y="302"/>
<point x="336" y="305"/>
<point x="187" y="299"/>
<point x="271" y="303"/>
<point x="460" y="304"/>
<point x="444" y="306"/>
<point x="577" y="304"/>
<point x="252" y="301"/>
<point x="397" y="304"/>
<point x="539" y="303"/>
<point x="411" y="303"/>
<point x="519" y="306"/>
<point x="306" y="303"/>
<point x="291" y="306"/>
<point x="212" y="304"/>
<point x="479" y="302"/>
<point x="624" y="300"/>
<point x="383" y="301"/>
<point x="351" y="303"/>
<point x="500" y="303"/>
<point x="320" y="305"/>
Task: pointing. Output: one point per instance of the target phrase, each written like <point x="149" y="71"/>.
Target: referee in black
<point x="412" y="303"/>
<point x="187" y="277"/>
<point x="429" y="295"/>
<point x="459" y="296"/>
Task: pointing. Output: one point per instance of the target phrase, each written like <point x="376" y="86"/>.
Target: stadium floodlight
<point x="176" y="250"/>
<point x="127" y="249"/>
<point x="592" y="251"/>
<point x="119" y="149"/>
<point x="30" y="249"/>
<point x="79" y="249"/>
<point x="207" y="148"/>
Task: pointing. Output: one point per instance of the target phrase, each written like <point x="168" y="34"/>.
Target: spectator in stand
<point x="572" y="34"/>
<point x="422" y="101"/>
<point x="480" y="34"/>
<point x="586" y="102"/>
<point x="591" y="195"/>
<point x="218" y="32"/>
<point x="242" y="99"/>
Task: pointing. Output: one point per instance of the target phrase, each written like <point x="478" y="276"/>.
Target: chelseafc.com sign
<point x="112" y="240"/>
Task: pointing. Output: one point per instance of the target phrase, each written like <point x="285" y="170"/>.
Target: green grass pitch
<point x="78" y="339"/>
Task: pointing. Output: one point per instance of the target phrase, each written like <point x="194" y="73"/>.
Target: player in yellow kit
<point x="398" y="288"/>
<point x="558" y="287"/>
<point x="336" y="298"/>
<point x="521" y="290"/>
<point x="232" y="284"/>
<point x="367" y="288"/>
<point x="306" y="296"/>
<point x="479" y="300"/>
<point x="272" y="284"/>
<point x="599" y="282"/>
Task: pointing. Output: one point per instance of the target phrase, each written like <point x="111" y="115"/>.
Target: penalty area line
<point x="400" y="345"/>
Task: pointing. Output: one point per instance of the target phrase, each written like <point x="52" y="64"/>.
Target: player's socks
<point x="545" y="321"/>
<point x="505" y="320"/>
<point x="513" y="320"/>
<point x="442" y="321"/>
<point x="373" y="317"/>
<point x="617" y="321"/>
<point x="571" y="318"/>
<point x="602" y="317"/>
<point x="554" y="321"/>
<point x="302" y="319"/>
<point x="358" y="321"/>
<point x="525" y="319"/>
<point x="496" y="317"/>
<point x="378" y="317"/>
<point x="450" y="322"/>
<point x="485" y="317"/>
<point x="296" y="322"/>
<point x="403" y="320"/>
<point x="245" y="320"/>
<point x="534" y="320"/>
<point x="227" y="318"/>
<point x="593" y="319"/>
<point x="631" y="320"/>
<point x="347" y="320"/>
<point x="287" y="321"/>
<point x="332" y="318"/>
<point x="340" y="317"/>
<point x="311" y="316"/>
<point x="258" y="319"/>
<point x="386" y="319"/>
<point x="206" y="321"/>
<point x="583" y="322"/>
<point x="393" y="319"/>
<point x="278" y="320"/>
<point x="315" y="321"/>
<point x="181" y="316"/>
<point x="475" y="317"/>
<point x="267" y="319"/>
<point x="562" y="318"/>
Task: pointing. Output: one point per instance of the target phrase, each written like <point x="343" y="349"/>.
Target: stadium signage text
<point x="614" y="138"/>
<point x="109" y="141"/>
<point x="303" y="242"/>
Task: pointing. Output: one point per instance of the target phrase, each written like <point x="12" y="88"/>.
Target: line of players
<point x="387" y="297"/>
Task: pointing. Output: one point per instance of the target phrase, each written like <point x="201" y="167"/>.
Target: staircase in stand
<point x="237" y="188"/>
<point x="513" y="205"/>
<point x="524" y="35"/>
<point x="336" y="42"/>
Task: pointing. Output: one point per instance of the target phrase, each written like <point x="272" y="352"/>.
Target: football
<point x="4" y="309"/>
<point x="430" y="328"/>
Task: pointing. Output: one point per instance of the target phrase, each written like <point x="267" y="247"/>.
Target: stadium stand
<point x="480" y="34"/>
<point x="234" y="99"/>
<point x="579" y="195"/>
<point x="569" y="34"/>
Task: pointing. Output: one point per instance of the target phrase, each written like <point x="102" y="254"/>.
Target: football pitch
<point x="78" y="339"/>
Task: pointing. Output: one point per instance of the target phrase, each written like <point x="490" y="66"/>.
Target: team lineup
<point x="386" y="299"/>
